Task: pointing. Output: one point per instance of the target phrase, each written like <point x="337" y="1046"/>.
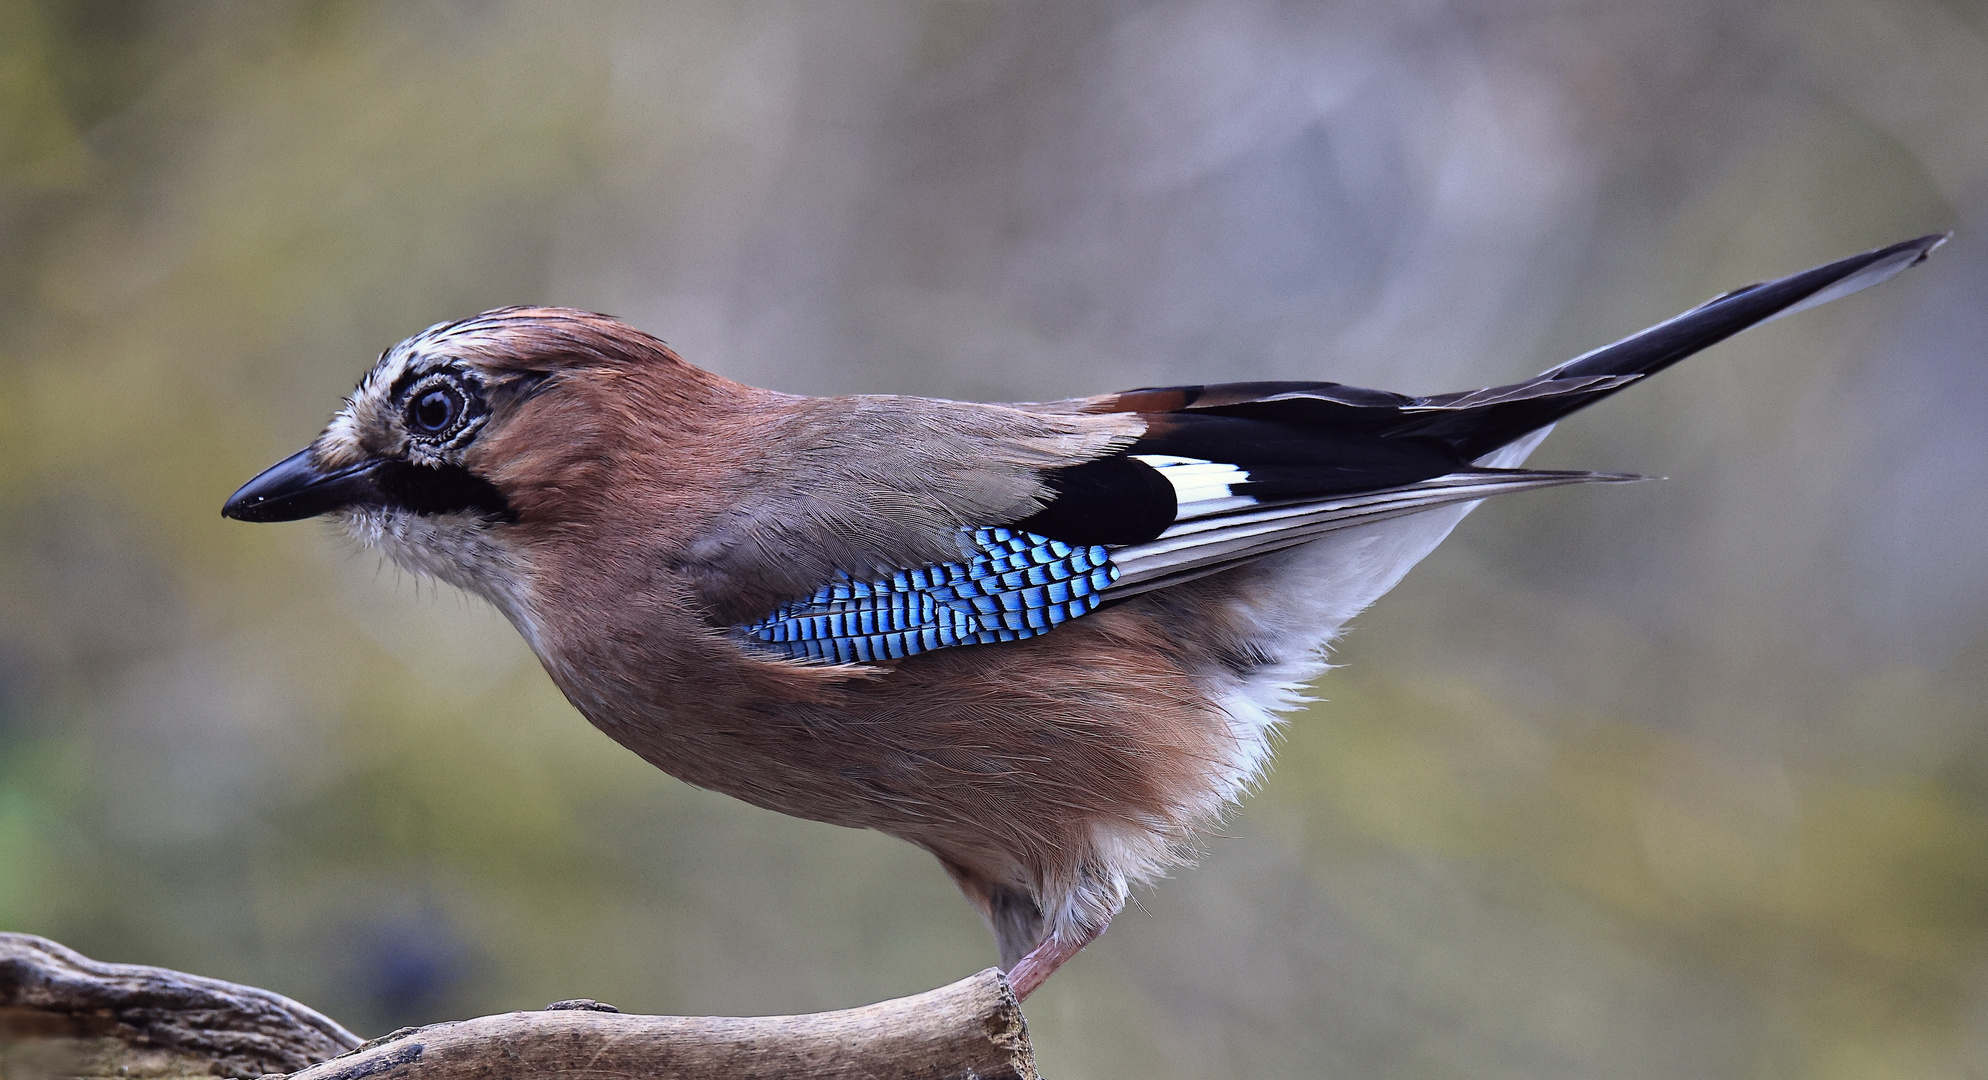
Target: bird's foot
<point x="1034" y="969"/>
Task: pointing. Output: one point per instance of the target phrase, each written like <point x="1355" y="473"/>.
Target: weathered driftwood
<point x="62" y="1013"/>
<point x="79" y="1015"/>
<point x="970" y="1028"/>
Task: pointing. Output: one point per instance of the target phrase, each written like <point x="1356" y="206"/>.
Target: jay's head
<point x="462" y="430"/>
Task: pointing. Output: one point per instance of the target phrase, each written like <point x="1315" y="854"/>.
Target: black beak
<point x="295" y="488"/>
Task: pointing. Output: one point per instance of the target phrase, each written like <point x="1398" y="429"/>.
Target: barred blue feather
<point x="1015" y="585"/>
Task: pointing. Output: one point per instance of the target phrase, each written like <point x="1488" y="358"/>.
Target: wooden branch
<point x="169" y="1018"/>
<point x="971" y="1028"/>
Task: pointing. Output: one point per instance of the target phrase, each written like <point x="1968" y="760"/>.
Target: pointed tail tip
<point x="1928" y="244"/>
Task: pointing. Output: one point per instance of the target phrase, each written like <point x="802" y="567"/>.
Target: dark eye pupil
<point x="435" y="411"/>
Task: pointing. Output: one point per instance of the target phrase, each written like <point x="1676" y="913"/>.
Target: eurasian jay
<point x="1045" y="642"/>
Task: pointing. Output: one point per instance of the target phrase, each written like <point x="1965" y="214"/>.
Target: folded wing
<point x="1229" y="473"/>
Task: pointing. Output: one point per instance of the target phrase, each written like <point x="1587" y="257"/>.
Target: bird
<point x="1050" y="643"/>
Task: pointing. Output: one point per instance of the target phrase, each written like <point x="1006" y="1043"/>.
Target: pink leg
<point x="1034" y="969"/>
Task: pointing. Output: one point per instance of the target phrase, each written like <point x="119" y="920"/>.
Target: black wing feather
<point x="1122" y="500"/>
<point x="1114" y="500"/>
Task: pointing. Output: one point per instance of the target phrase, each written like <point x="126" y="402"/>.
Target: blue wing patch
<point x="1015" y="585"/>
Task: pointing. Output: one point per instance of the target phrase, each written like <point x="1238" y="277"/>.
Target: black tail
<point x="1208" y="450"/>
<point x="1474" y="423"/>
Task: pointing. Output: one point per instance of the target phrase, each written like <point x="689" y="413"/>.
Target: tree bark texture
<point x="62" y="1015"/>
<point x="86" y="1015"/>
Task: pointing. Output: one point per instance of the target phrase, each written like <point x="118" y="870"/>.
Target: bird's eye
<point x="436" y="410"/>
<point x="440" y="408"/>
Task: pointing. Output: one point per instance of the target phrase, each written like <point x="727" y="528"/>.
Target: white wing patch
<point x="1202" y="488"/>
<point x="1187" y="550"/>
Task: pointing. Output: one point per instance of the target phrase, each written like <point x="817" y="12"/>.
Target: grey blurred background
<point x="1683" y="779"/>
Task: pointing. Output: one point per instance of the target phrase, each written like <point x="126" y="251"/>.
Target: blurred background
<point x="1683" y="779"/>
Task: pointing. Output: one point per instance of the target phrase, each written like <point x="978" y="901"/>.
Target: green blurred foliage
<point x="1684" y="779"/>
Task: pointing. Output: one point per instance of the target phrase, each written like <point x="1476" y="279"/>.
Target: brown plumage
<point x="803" y="603"/>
